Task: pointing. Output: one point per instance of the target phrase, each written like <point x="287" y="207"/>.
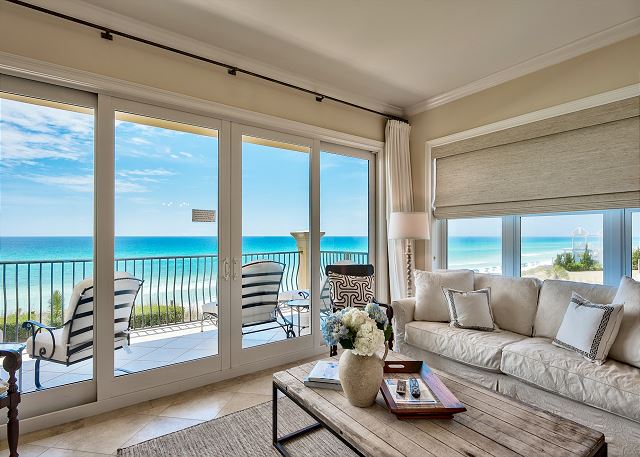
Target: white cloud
<point x="138" y="140"/>
<point x="71" y="182"/>
<point x="147" y="172"/>
<point x="185" y="154"/>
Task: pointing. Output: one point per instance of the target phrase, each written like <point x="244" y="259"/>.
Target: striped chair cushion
<point x="260" y="287"/>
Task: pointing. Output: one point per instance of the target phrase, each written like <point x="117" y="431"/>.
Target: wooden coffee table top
<point x="493" y="425"/>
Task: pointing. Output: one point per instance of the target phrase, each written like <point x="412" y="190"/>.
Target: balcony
<point x="165" y="324"/>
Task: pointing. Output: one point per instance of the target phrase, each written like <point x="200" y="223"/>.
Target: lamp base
<point x="409" y="258"/>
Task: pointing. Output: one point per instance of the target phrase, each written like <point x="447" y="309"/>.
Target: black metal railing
<point x="174" y="288"/>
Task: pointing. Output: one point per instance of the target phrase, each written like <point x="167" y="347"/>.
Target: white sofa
<point x="519" y="360"/>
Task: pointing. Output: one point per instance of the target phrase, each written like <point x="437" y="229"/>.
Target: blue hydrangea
<point x="333" y="330"/>
<point x="377" y="314"/>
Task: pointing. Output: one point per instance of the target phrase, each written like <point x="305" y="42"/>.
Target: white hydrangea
<point x="354" y="318"/>
<point x="368" y="339"/>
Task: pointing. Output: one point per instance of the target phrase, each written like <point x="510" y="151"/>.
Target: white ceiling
<point x="397" y="52"/>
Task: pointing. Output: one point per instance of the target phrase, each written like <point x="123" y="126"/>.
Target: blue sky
<point x="46" y="180"/>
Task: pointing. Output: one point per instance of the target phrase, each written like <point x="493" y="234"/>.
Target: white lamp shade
<point x="408" y="226"/>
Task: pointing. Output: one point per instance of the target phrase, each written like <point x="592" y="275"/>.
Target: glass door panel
<point x="166" y="236"/>
<point x="346" y="209"/>
<point x="46" y="236"/>
<point x="274" y="301"/>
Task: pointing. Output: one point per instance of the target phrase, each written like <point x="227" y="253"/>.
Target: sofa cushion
<point x="514" y="301"/>
<point x="473" y="347"/>
<point x="470" y="310"/>
<point x="430" y="302"/>
<point x="626" y="347"/>
<point x="613" y="386"/>
<point x="554" y="300"/>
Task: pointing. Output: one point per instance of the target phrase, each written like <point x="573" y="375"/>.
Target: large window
<point x="562" y="247"/>
<point x="475" y="244"/>
<point x="597" y="247"/>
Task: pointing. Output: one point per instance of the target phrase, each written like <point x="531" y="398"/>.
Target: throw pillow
<point x="470" y="310"/>
<point x="626" y="347"/>
<point x="347" y="290"/>
<point x="589" y="329"/>
<point x="431" y="304"/>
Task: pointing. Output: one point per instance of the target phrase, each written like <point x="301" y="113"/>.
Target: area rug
<point x="244" y="433"/>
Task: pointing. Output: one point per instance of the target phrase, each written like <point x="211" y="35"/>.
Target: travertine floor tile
<point x="160" y="426"/>
<point x="242" y="401"/>
<point x="54" y="452"/>
<point x="26" y="450"/>
<point x="200" y="405"/>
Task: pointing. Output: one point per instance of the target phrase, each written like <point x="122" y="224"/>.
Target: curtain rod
<point x="107" y="33"/>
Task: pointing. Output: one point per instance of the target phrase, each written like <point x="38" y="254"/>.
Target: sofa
<point x="519" y="360"/>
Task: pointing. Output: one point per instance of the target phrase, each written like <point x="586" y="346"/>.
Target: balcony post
<point x="303" y="242"/>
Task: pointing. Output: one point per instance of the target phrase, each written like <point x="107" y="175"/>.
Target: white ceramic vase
<point x="361" y="376"/>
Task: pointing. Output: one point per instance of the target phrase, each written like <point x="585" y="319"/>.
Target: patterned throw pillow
<point x="470" y="310"/>
<point x="350" y="291"/>
<point x="589" y="329"/>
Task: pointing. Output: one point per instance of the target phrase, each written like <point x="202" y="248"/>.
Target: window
<point x="565" y="246"/>
<point x="475" y="244"/>
<point x="635" y="245"/>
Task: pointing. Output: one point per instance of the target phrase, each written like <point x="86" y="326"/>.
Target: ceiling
<point x="395" y="53"/>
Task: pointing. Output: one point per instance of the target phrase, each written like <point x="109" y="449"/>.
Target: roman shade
<point x="585" y="160"/>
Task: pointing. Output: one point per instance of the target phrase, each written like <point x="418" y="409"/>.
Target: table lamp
<point x="409" y="226"/>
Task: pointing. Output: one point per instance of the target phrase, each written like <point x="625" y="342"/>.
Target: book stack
<point x="324" y="375"/>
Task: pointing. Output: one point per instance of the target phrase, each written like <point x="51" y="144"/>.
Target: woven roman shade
<point x="586" y="160"/>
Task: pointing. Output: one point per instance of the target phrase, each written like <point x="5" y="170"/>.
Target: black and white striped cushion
<point x="351" y="291"/>
<point x="260" y="287"/>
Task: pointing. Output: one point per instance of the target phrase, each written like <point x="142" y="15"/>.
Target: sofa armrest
<point x="402" y="314"/>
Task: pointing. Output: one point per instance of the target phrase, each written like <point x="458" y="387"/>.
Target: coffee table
<point x="493" y="425"/>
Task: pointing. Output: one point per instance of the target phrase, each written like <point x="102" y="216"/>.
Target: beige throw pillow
<point x="589" y="329"/>
<point x="470" y="310"/>
<point x="626" y="347"/>
<point x="431" y="304"/>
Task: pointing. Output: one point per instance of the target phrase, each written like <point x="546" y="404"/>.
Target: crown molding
<point x="91" y="82"/>
<point x="590" y="43"/>
<point x="92" y="13"/>
<point x="546" y="113"/>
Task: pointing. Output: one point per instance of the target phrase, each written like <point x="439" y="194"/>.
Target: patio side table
<point x="300" y="306"/>
<point x="12" y="354"/>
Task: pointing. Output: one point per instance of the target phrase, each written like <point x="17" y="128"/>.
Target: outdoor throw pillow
<point x="470" y="310"/>
<point x="589" y="329"/>
<point x="347" y="290"/>
<point x="431" y="304"/>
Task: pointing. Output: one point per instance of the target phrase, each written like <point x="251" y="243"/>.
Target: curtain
<point x="399" y="197"/>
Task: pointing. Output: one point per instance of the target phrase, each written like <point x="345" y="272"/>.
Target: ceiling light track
<point x="108" y="34"/>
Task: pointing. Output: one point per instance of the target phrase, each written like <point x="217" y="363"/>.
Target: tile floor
<point x="136" y="423"/>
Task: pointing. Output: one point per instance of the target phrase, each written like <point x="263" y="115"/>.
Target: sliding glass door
<point x="167" y="239"/>
<point x="47" y="238"/>
<point x="271" y="299"/>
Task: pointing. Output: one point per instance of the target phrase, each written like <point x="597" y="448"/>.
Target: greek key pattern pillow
<point x="589" y="329"/>
<point x="470" y="310"/>
<point x="350" y="291"/>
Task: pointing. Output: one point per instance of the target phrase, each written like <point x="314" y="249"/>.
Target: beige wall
<point x="605" y="69"/>
<point x="38" y="36"/>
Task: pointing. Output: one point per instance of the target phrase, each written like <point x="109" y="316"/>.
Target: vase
<point x="361" y="377"/>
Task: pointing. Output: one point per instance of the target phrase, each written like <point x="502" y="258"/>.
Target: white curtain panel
<point x="399" y="198"/>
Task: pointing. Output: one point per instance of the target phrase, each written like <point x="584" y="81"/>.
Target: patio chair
<point x="260" y="288"/>
<point x="347" y="291"/>
<point x="73" y="342"/>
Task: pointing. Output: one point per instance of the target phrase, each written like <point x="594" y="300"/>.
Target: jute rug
<point x="244" y="433"/>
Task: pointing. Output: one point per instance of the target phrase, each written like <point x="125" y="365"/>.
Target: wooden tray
<point x="447" y="405"/>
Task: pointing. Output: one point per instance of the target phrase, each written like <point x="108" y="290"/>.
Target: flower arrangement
<point x="361" y="330"/>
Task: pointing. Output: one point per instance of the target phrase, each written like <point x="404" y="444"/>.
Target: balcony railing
<point x="174" y="288"/>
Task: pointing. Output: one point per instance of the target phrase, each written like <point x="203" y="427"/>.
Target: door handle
<point x="226" y="268"/>
<point x="235" y="269"/>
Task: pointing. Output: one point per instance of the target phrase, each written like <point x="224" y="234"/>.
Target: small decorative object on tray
<point x="324" y="375"/>
<point x="429" y="397"/>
